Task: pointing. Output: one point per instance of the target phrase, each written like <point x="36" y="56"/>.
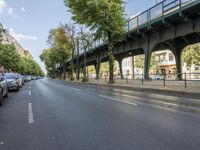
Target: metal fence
<point x="186" y="80"/>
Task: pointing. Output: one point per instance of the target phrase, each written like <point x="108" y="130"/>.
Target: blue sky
<point x="29" y="21"/>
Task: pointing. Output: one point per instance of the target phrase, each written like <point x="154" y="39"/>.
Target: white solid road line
<point x="76" y="89"/>
<point x="130" y="103"/>
<point x="30" y="113"/>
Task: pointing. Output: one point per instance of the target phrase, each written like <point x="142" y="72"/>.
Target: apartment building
<point x="165" y="62"/>
<point x="6" y="38"/>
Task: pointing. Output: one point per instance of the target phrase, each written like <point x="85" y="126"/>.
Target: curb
<point x="193" y="95"/>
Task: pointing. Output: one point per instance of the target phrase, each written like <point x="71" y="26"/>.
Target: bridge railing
<point x="159" y="10"/>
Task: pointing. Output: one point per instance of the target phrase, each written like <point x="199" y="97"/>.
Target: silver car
<point x="3" y="89"/>
<point x="13" y="81"/>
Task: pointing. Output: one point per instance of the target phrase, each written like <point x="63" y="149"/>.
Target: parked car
<point x="27" y="78"/>
<point x="21" y="79"/>
<point x="13" y="81"/>
<point x="3" y="89"/>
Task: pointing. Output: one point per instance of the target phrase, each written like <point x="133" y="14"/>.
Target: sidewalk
<point x="155" y="86"/>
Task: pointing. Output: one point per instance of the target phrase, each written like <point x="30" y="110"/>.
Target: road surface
<point x="57" y="115"/>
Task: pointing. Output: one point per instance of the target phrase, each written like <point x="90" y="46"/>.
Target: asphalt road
<point x="57" y="115"/>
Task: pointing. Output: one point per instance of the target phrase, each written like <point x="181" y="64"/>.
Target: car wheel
<point x="1" y="98"/>
<point x="6" y="95"/>
<point x="18" y="87"/>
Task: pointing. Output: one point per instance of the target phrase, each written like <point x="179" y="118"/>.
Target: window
<point x="171" y="57"/>
<point x="196" y="68"/>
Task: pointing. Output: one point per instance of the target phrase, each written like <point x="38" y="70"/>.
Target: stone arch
<point x="164" y="60"/>
<point x="131" y="53"/>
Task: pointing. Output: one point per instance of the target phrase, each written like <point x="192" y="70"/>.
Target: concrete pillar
<point x="178" y="45"/>
<point x="97" y="68"/>
<point x="147" y="62"/>
<point x="177" y="55"/>
<point x="147" y="59"/>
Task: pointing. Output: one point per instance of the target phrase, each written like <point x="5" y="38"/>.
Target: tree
<point x="29" y="66"/>
<point x="49" y="57"/>
<point x="191" y="55"/>
<point x="104" y="68"/>
<point x="71" y="32"/>
<point x="60" y="42"/>
<point x="139" y="61"/>
<point x="105" y="18"/>
<point x="9" y="58"/>
<point x="1" y="30"/>
<point x="85" y="42"/>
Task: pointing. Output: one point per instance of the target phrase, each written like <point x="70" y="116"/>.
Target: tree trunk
<point x="72" y="67"/>
<point x="111" y="64"/>
<point x="84" y="67"/>
<point x="111" y="58"/>
<point x="133" y="64"/>
<point x="77" y="63"/>
<point x="64" y="74"/>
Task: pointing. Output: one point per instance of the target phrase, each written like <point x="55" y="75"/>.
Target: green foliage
<point x="1" y="35"/>
<point x="104" y="67"/>
<point x="29" y="66"/>
<point x="59" y="41"/>
<point x="11" y="61"/>
<point x="91" y="69"/>
<point x="84" y="79"/>
<point x="191" y="55"/>
<point x="139" y="61"/>
<point x="9" y="58"/>
<point x="153" y="61"/>
<point x="59" y="53"/>
<point x="85" y="42"/>
<point x="70" y="30"/>
<point x="104" y="17"/>
<point x="48" y="56"/>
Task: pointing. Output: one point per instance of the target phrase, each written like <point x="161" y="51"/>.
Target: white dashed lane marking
<point x="111" y="98"/>
<point x="76" y="89"/>
<point x="30" y="114"/>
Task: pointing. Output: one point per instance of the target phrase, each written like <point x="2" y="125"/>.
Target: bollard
<point x="126" y="79"/>
<point x="185" y="80"/>
<point x="142" y="80"/>
<point x="164" y="79"/>
<point x="105" y="78"/>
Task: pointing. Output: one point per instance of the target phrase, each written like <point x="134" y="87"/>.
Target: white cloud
<point x="22" y="9"/>
<point x="2" y="5"/>
<point x="10" y="11"/>
<point x="21" y="37"/>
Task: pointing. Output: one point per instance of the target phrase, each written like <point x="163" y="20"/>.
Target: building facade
<point x="6" y="38"/>
<point x="164" y="63"/>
